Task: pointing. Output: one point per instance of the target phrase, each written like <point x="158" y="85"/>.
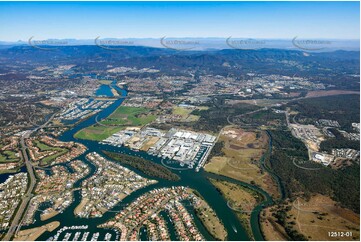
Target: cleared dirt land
<point x="242" y="152"/>
<point x="34" y="233"/>
<point x="329" y="93"/>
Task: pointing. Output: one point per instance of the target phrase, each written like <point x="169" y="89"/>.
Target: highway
<point x="17" y="219"/>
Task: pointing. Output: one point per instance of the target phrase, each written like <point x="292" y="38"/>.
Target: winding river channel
<point x="196" y="180"/>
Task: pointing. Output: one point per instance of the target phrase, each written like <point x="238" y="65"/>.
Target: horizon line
<point x="171" y="37"/>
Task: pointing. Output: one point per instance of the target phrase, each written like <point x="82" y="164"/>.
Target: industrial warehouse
<point x="183" y="146"/>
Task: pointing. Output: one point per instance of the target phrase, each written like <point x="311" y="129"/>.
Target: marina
<point x="189" y="178"/>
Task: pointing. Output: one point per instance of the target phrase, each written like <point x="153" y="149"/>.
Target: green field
<point x="15" y="170"/>
<point x="184" y="112"/>
<point x="97" y="132"/>
<point x="129" y="116"/>
<point x="43" y="147"/>
<point x="118" y="120"/>
<point x="8" y="156"/>
<point x="47" y="160"/>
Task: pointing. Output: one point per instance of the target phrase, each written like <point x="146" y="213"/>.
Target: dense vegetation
<point x="147" y="167"/>
<point x="339" y="142"/>
<point x="264" y="117"/>
<point x="216" y="150"/>
<point x="343" y="108"/>
<point x="215" y="118"/>
<point x="342" y="185"/>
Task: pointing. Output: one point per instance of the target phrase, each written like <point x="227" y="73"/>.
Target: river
<point x="196" y="180"/>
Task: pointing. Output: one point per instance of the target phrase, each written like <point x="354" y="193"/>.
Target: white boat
<point x="234" y="228"/>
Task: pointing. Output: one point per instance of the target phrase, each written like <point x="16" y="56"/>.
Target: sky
<point x="87" y="20"/>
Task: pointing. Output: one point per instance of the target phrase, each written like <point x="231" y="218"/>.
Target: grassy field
<point x="320" y="215"/>
<point x="242" y="152"/>
<point x="118" y="120"/>
<point x="181" y="111"/>
<point x="8" y="156"/>
<point x="15" y="170"/>
<point x="97" y="132"/>
<point x="47" y="160"/>
<point x="313" y="218"/>
<point x="43" y="147"/>
<point x="271" y="230"/>
<point x="185" y="113"/>
<point x="131" y="116"/>
<point x="3" y="158"/>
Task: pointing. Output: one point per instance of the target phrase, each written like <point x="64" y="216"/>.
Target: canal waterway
<point x="189" y="178"/>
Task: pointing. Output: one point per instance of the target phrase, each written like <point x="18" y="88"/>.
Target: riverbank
<point x="188" y="178"/>
<point x="147" y="167"/>
<point x="240" y="199"/>
<point x="209" y="219"/>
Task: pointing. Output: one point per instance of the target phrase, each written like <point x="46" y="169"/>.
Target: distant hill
<point x="324" y="66"/>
